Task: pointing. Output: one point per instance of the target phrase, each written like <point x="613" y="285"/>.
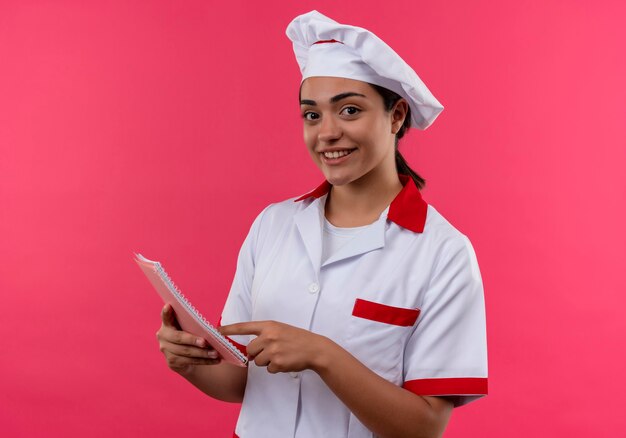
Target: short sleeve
<point x="238" y="306"/>
<point x="447" y="352"/>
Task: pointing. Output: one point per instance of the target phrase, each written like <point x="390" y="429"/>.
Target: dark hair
<point x="389" y="100"/>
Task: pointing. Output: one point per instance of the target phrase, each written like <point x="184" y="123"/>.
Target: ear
<point x="398" y="114"/>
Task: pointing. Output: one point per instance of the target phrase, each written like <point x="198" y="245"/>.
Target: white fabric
<point x="280" y="276"/>
<point x="335" y="238"/>
<point x="359" y="55"/>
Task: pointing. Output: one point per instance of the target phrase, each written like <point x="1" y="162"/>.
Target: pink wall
<point x="165" y="126"/>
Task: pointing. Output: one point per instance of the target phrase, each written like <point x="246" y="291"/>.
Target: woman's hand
<point x="280" y="347"/>
<point x="183" y="351"/>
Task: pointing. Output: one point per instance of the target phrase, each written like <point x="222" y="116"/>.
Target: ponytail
<point x="403" y="168"/>
<point x="390" y="98"/>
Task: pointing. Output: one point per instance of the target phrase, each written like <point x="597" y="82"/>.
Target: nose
<point x="330" y="130"/>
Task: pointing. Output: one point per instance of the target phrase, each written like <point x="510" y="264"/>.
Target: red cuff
<point x="448" y="386"/>
<point x="240" y="347"/>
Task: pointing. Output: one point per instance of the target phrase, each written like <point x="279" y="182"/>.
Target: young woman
<point x="360" y="307"/>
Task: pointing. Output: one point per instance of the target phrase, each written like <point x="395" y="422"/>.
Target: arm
<point x="384" y="408"/>
<point x="224" y="382"/>
<point x="380" y="405"/>
<point x="452" y="335"/>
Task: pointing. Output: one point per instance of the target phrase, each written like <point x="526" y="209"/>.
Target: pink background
<point x="164" y="127"/>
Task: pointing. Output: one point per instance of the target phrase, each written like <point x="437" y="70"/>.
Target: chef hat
<point x="324" y="47"/>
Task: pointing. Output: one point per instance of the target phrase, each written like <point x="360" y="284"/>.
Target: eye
<point x="350" y="111"/>
<point x="310" y="116"/>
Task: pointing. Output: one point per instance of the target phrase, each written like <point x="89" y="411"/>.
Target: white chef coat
<point x="404" y="296"/>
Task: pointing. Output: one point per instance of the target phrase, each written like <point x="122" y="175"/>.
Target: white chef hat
<point x="324" y="47"/>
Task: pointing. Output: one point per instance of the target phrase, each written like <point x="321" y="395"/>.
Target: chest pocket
<point x="377" y="334"/>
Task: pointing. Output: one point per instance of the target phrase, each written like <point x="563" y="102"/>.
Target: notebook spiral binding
<point x="195" y="312"/>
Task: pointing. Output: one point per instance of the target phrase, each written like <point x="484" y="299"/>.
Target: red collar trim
<point x="408" y="209"/>
<point x="327" y="41"/>
<point x="318" y="192"/>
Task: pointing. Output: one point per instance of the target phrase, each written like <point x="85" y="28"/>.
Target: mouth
<point x="335" y="157"/>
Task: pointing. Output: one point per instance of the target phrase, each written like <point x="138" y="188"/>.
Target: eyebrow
<point x="333" y="99"/>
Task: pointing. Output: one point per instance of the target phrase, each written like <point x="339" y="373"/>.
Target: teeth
<point x="336" y="154"/>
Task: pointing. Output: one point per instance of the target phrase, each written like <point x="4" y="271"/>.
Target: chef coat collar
<point x="407" y="209"/>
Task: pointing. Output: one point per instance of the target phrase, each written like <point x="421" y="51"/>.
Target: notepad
<point x="189" y="318"/>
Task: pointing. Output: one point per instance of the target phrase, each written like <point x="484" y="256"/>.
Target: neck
<point x="361" y="202"/>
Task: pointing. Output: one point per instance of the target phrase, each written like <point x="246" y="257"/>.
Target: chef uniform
<point x="403" y="295"/>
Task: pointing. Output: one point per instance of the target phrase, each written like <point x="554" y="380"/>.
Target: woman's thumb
<point x="169" y="317"/>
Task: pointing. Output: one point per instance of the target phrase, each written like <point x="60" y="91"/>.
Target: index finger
<point x="243" y="328"/>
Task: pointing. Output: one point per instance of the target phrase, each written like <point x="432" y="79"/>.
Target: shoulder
<point x="439" y="230"/>
<point x="282" y="211"/>
<point x="278" y="216"/>
<point x="445" y="241"/>
<point x="272" y="224"/>
<point x="285" y="207"/>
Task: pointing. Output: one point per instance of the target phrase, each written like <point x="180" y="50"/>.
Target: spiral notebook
<point x="189" y="318"/>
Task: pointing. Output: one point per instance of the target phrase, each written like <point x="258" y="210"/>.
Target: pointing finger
<point x="242" y="328"/>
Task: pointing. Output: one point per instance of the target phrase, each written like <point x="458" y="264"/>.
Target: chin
<point x="339" y="180"/>
<point x="341" y="175"/>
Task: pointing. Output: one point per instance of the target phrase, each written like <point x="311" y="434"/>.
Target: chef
<point x="359" y="305"/>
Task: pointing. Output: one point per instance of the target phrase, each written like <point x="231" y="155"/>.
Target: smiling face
<point x="347" y="130"/>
